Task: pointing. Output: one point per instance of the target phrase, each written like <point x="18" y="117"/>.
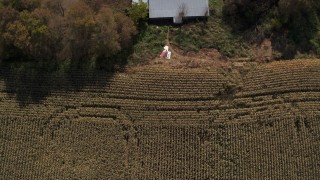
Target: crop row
<point x="178" y="151"/>
<point x="243" y="115"/>
<point x="273" y="86"/>
<point x="150" y="71"/>
<point x="230" y="151"/>
<point x="170" y="152"/>
<point x="138" y="91"/>
<point x="102" y="113"/>
<point x="122" y="77"/>
<point x="195" y="89"/>
<point x="284" y="75"/>
<point x="287" y="66"/>
<point x="71" y="149"/>
<point x="277" y="98"/>
<point x="95" y="105"/>
<point x="187" y="87"/>
<point x="103" y="100"/>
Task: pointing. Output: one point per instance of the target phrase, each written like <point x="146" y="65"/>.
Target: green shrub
<point x="212" y="34"/>
<point x="149" y="43"/>
<point x="216" y="7"/>
<point x="138" y="12"/>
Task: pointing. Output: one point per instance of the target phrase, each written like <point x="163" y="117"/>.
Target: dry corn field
<point x="165" y="124"/>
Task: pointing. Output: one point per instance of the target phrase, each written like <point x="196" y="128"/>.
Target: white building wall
<point x="172" y="8"/>
<point x="137" y="1"/>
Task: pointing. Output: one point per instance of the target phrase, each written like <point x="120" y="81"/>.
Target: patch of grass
<point x="216" y="7"/>
<point x="150" y="42"/>
<point x="211" y="34"/>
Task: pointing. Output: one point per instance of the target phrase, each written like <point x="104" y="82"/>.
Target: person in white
<point x="166" y="48"/>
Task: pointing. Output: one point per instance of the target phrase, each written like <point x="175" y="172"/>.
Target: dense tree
<point x="292" y="24"/>
<point x="244" y="14"/>
<point x="77" y="30"/>
<point x="7" y="15"/>
<point x="96" y="5"/>
<point x="126" y="29"/>
<point x="81" y="24"/>
<point x="301" y="19"/>
<point x="138" y="12"/>
<point x="28" y="34"/>
<point x="105" y="36"/>
<point x="55" y="6"/>
<point x="22" y="5"/>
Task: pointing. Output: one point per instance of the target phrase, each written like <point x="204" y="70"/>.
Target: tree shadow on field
<point x="32" y="83"/>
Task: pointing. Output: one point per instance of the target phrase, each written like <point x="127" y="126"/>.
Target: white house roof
<point x="172" y="8"/>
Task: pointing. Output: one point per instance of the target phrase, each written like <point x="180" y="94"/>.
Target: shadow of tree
<point x="30" y="84"/>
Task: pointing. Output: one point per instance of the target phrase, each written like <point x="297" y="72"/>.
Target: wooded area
<point x="292" y="25"/>
<point x="63" y="30"/>
<point x="109" y="31"/>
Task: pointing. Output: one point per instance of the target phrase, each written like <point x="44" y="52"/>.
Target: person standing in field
<point x="165" y="53"/>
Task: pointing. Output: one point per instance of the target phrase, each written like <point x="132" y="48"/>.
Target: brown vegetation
<point x="64" y="30"/>
<point x="160" y="123"/>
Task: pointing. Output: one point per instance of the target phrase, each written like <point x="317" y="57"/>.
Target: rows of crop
<point x="218" y="151"/>
<point x="233" y="116"/>
<point x="137" y="90"/>
<point x="177" y="85"/>
<point x="100" y="100"/>
<point x="138" y="85"/>
<point x="160" y="88"/>
<point x="31" y="149"/>
<point x="95" y="112"/>
<point x="17" y="137"/>
<point x="178" y="112"/>
<point x="240" y="109"/>
<point x="301" y="96"/>
<point x="169" y="152"/>
<point x="12" y="109"/>
<point x="178" y="72"/>
<point x="276" y="99"/>
<point x="105" y="98"/>
<point x="234" y="151"/>
<point x="313" y="106"/>
<point x="179" y="128"/>
<point x="283" y="77"/>
<point x="172" y="112"/>
<point x="287" y="88"/>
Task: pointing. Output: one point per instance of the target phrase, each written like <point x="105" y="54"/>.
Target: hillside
<point x="162" y="123"/>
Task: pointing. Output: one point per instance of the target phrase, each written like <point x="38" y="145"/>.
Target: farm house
<point x="177" y="9"/>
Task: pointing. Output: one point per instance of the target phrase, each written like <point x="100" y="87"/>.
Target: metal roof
<point x="174" y="8"/>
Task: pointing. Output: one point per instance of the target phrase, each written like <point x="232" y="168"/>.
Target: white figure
<point x="169" y="55"/>
<point x="164" y="53"/>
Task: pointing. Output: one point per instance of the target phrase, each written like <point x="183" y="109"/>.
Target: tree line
<point x="104" y="30"/>
<point x="59" y="30"/>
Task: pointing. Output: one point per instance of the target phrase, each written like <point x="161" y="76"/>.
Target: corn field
<point x="168" y="124"/>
